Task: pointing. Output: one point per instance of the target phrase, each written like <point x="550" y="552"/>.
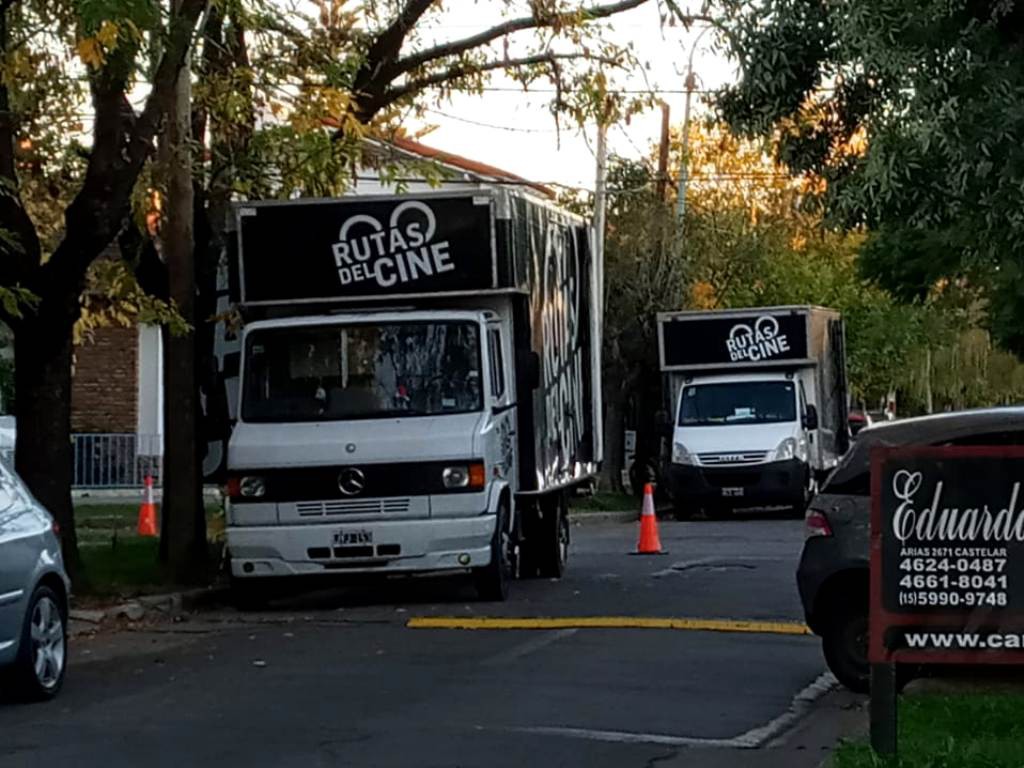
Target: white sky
<point x="523" y="139"/>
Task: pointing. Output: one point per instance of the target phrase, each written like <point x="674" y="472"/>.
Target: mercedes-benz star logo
<point x="351" y="481"/>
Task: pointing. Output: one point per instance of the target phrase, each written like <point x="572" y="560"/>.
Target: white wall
<point x="151" y="381"/>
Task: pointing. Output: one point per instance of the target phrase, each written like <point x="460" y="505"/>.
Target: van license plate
<point x="732" y="491"/>
<point x="344" y="538"/>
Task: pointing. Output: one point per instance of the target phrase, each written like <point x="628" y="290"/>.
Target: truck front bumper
<point x="392" y="546"/>
<point x="778" y="483"/>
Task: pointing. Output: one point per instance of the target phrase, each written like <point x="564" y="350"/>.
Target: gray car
<point x="34" y="590"/>
<point x="833" y="573"/>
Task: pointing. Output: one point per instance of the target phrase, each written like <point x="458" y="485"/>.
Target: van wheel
<point x="845" y="643"/>
<point x="41" y="664"/>
<point x="554" y="528"/>
<point x="493" y="580"/>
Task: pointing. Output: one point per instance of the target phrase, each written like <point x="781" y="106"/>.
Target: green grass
<point x="605" y="502"/>
<point x="117" y="561"/>
<point x="950" y="731"/>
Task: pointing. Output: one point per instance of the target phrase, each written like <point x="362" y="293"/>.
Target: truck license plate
<point x="343" y="538"/>
<point x="732" y="491"/>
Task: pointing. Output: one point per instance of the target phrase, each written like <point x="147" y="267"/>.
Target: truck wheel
<point x="39" y="668"/>
<point x="718" y="512"/>
<point x="492" y="580"/>
<point x="845" y="643"/>
<point x="554" y="542"/>
<point x="251" y="594"/>
<point x="681" y="510"/>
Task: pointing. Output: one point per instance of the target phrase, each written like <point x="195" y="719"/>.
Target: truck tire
<point x="553" y="552"/>
<point x="492" y="580"/>
<point x="251" y="594"/>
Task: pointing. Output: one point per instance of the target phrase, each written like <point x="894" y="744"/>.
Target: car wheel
<point x="845" y="643"/>
<point x="492" y="580"/>
<point x="555" y="547"/>
<point x="43" y="650"/>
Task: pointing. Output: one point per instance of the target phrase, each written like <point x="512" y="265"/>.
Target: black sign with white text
<point x="735" y="340"/>
<point x="947" y="554"/>
<point x="355" y="247"/>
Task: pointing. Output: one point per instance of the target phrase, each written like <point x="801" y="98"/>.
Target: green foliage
<point x="937" y="91"/>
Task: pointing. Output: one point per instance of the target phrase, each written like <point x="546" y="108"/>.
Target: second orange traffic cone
<point x="649" y="542"/>
<point x="147" y="511"/>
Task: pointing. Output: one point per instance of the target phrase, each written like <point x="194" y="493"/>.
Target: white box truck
<point x="758" y="405"/>
<point x="416" y="387"/>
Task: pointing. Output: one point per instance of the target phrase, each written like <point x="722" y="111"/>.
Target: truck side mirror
<point x="811" y="418"/>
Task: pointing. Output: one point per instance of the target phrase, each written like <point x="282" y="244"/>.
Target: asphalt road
<point x="339" y="678"/>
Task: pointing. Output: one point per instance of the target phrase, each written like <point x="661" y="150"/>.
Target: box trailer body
<point x="417" y="385"/>
<point x="758" y="399"/>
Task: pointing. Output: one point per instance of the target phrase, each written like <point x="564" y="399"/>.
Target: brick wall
<point x="104" y="391"/>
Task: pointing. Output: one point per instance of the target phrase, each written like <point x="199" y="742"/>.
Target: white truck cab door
<point x="500" y="441"/>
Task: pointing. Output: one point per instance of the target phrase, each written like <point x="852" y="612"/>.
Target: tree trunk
<point x="42" y="376"/>
<point x="183" y="529"/>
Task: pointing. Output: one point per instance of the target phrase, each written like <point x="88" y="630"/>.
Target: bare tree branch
<point x="455" y="47"/>
<point x="464" y="70"/>
<point x="121" y="144"/>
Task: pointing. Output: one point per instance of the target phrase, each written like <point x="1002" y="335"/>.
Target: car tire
<point x="41" y="665"/>
<point x="555" y="534"/>
<point x="845" y="643"/>
<point x="492" y="581"/>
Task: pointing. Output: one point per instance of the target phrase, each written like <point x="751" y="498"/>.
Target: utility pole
<point x="684" y="171"/>
<point x="183" y="518"/>
<point x="600" y="203"/>
<point x="663" y="153"/>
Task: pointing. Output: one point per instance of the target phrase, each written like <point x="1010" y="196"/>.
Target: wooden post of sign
<point x="884" y="721"/>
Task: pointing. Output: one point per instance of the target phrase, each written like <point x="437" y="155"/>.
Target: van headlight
<point x="680" y="455"/>
<point x="789" y="449"/>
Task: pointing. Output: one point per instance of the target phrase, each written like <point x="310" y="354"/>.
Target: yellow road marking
<point x="610" y="622"/>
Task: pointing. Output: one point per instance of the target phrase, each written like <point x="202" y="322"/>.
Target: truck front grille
<point x="386" y="506"/>
<point x="732" y="459"/>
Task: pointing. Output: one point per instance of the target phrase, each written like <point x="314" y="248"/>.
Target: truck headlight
<point x="787" y="450"/>
<point x="680" y="455"/>
<point x="464" y="476"/>
<point x="252" y="487"/>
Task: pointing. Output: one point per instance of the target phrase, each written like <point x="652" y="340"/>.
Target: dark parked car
<point x="833" y="572"/>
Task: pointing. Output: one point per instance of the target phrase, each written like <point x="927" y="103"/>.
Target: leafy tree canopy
<point x="913" y="113"/>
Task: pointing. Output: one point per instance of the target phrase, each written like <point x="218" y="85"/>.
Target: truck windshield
<point x="362" y="371"/>
<point x="739" y="402"/>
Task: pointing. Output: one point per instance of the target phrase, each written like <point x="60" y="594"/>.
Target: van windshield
<point x="739" y="402"/>
<point x="362" y="371"/>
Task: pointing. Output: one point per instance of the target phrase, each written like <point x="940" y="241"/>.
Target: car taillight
<point x="233" y="489"/>
<point x="55" y="527"/>
<point x="816" y="524"/>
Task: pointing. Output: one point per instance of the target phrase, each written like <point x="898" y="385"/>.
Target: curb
<point x="88" y="621"/>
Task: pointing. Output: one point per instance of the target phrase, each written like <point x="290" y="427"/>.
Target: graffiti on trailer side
<point x="559" y="273"/>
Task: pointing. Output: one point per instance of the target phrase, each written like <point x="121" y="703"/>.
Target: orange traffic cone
<point x="649" y="543"/>
<point x="147" y="511"/>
